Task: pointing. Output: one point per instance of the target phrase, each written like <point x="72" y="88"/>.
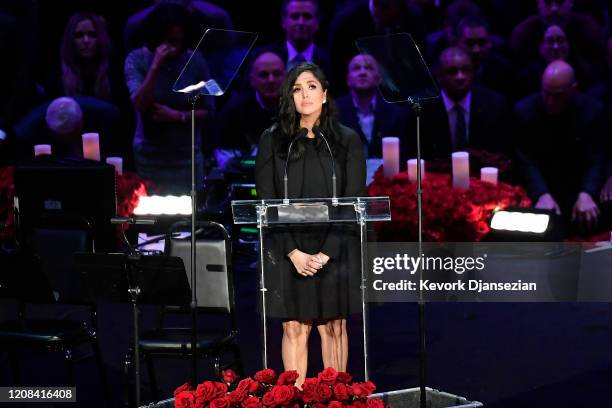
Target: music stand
<point x="210" y="70"/>
<point x="406" y="78"/>
<point x="135" y="279"/>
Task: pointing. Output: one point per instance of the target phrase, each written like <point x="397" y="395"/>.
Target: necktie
<point x="297" y="60"/>
<point x="460" y="129"/>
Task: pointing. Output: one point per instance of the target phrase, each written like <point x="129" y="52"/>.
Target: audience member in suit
<point x="366" y="18"/>
<point x="438" y="41"/>
<point x="465" y="116"/>
<point x="562" y="147"/>
<point x="365" y="112"/>
<point x="555" y="46"/>
<point x="583" y="32"/>
<point x="205" y="14"/>
<point x="246" y="115"/>
<point x="300" y="20"/>
<point x="491" y="69"/>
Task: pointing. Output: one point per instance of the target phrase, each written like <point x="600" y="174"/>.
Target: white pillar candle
<point x="117" y="162"/>
<point x="91" y="146"/>
<point x="489" y="174"/>
<point x="461" y="170"/>
<point x="412" y="170"/>
<point x="390" y="148"/>
<point x="42" y="149"/>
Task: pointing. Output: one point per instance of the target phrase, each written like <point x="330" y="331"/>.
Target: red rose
<point x="254" y="387"/>
<point x="229" y="376"/>
<point x="344" y="378"/>
<point x="341" y="391"/>
<point x="328" y="376"/>
<point x="220" y="390"/>
<point x="324" y="393"/>
<point x="309" y="390"/>
<point x="335" y="404"/>
<point x="220" y="403"/>
<point x="320" y="405"/>
<point x="185" y="399"/>
<point x="267" y="376"/>
<point x="251" y="402"/>
<point x="282" y="394"/>
<point x="237" y="396"/>
<point x="244" y="384"/>
<point x="184" y="387"/>
<point x="206" y="392"/>
<point x="374" y="403"/>
<point x="268" y="399"/>
<point x="358" y="404"/>
<point x="361" y="390"/>
<point x="288" y="378"/>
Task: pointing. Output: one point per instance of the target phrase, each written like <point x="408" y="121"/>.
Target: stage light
<point x="525" y="224"/>
<point x="164" y="205"/>
<point x="520" y="221"/>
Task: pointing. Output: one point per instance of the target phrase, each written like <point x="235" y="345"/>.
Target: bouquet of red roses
<point x="330" y="389"/>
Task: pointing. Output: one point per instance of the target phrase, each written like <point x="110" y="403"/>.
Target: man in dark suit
<point x="491" y="70"/>
<point x="562" y="147"/>
<point x="465" y="116"/>
<point x="246" y="115"/>
<point x="300" y="20"/>
<point x="366" y="113"/>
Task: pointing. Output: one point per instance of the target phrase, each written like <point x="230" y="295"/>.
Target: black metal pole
<point x="417" y="108"/>
<point x="193" y="99"/>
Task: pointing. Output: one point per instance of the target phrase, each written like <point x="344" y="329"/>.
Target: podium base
<point x="409" y="398"/>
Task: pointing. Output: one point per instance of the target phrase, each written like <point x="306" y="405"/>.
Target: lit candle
<point x="390" y="148"/>
<point x="461" y="170"/>
<point x="412" y="170"/>
<point x="91" y="146"/>
<point x="117" y="162"/>
<point x="489" y="174"/>
<point x="42" y="149"/>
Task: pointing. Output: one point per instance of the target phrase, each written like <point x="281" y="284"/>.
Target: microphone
<point x="301" y="133"/>
<point x="316" y="130"/>
<point x="132" y="220"/>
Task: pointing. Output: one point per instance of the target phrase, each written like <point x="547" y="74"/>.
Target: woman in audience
<point x="85" y="58"/>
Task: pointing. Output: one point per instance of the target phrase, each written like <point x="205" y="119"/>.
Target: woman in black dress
<point x="312" y="271"/>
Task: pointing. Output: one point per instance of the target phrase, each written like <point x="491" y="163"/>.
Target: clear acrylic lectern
<point x="276" y="212"/>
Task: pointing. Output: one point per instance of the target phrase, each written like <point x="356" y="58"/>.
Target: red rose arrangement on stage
<point x="330" y="389"/>
<point x="130" y="187"/>
<point x="449" y="214"/>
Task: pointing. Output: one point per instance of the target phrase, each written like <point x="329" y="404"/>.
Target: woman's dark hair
<point x="162" y="19"/>
<point x="72" y="74"/>
<point x="289" y="118"/>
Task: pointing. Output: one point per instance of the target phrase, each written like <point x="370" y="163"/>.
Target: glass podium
<point x="267" y="214"/>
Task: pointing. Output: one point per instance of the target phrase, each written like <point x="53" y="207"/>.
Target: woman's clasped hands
<point x="307" y="264"/>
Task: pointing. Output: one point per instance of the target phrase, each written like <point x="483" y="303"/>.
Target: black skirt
<point x="333" y="292"/>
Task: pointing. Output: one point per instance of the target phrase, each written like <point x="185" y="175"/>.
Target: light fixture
<point x="164" y="205"/>
<point x="524" y="224"/>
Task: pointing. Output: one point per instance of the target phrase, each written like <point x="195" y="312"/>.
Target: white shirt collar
<point x="307" y="53"/>
<point x="465" y="103"/>
<point x="372" y="103"/>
